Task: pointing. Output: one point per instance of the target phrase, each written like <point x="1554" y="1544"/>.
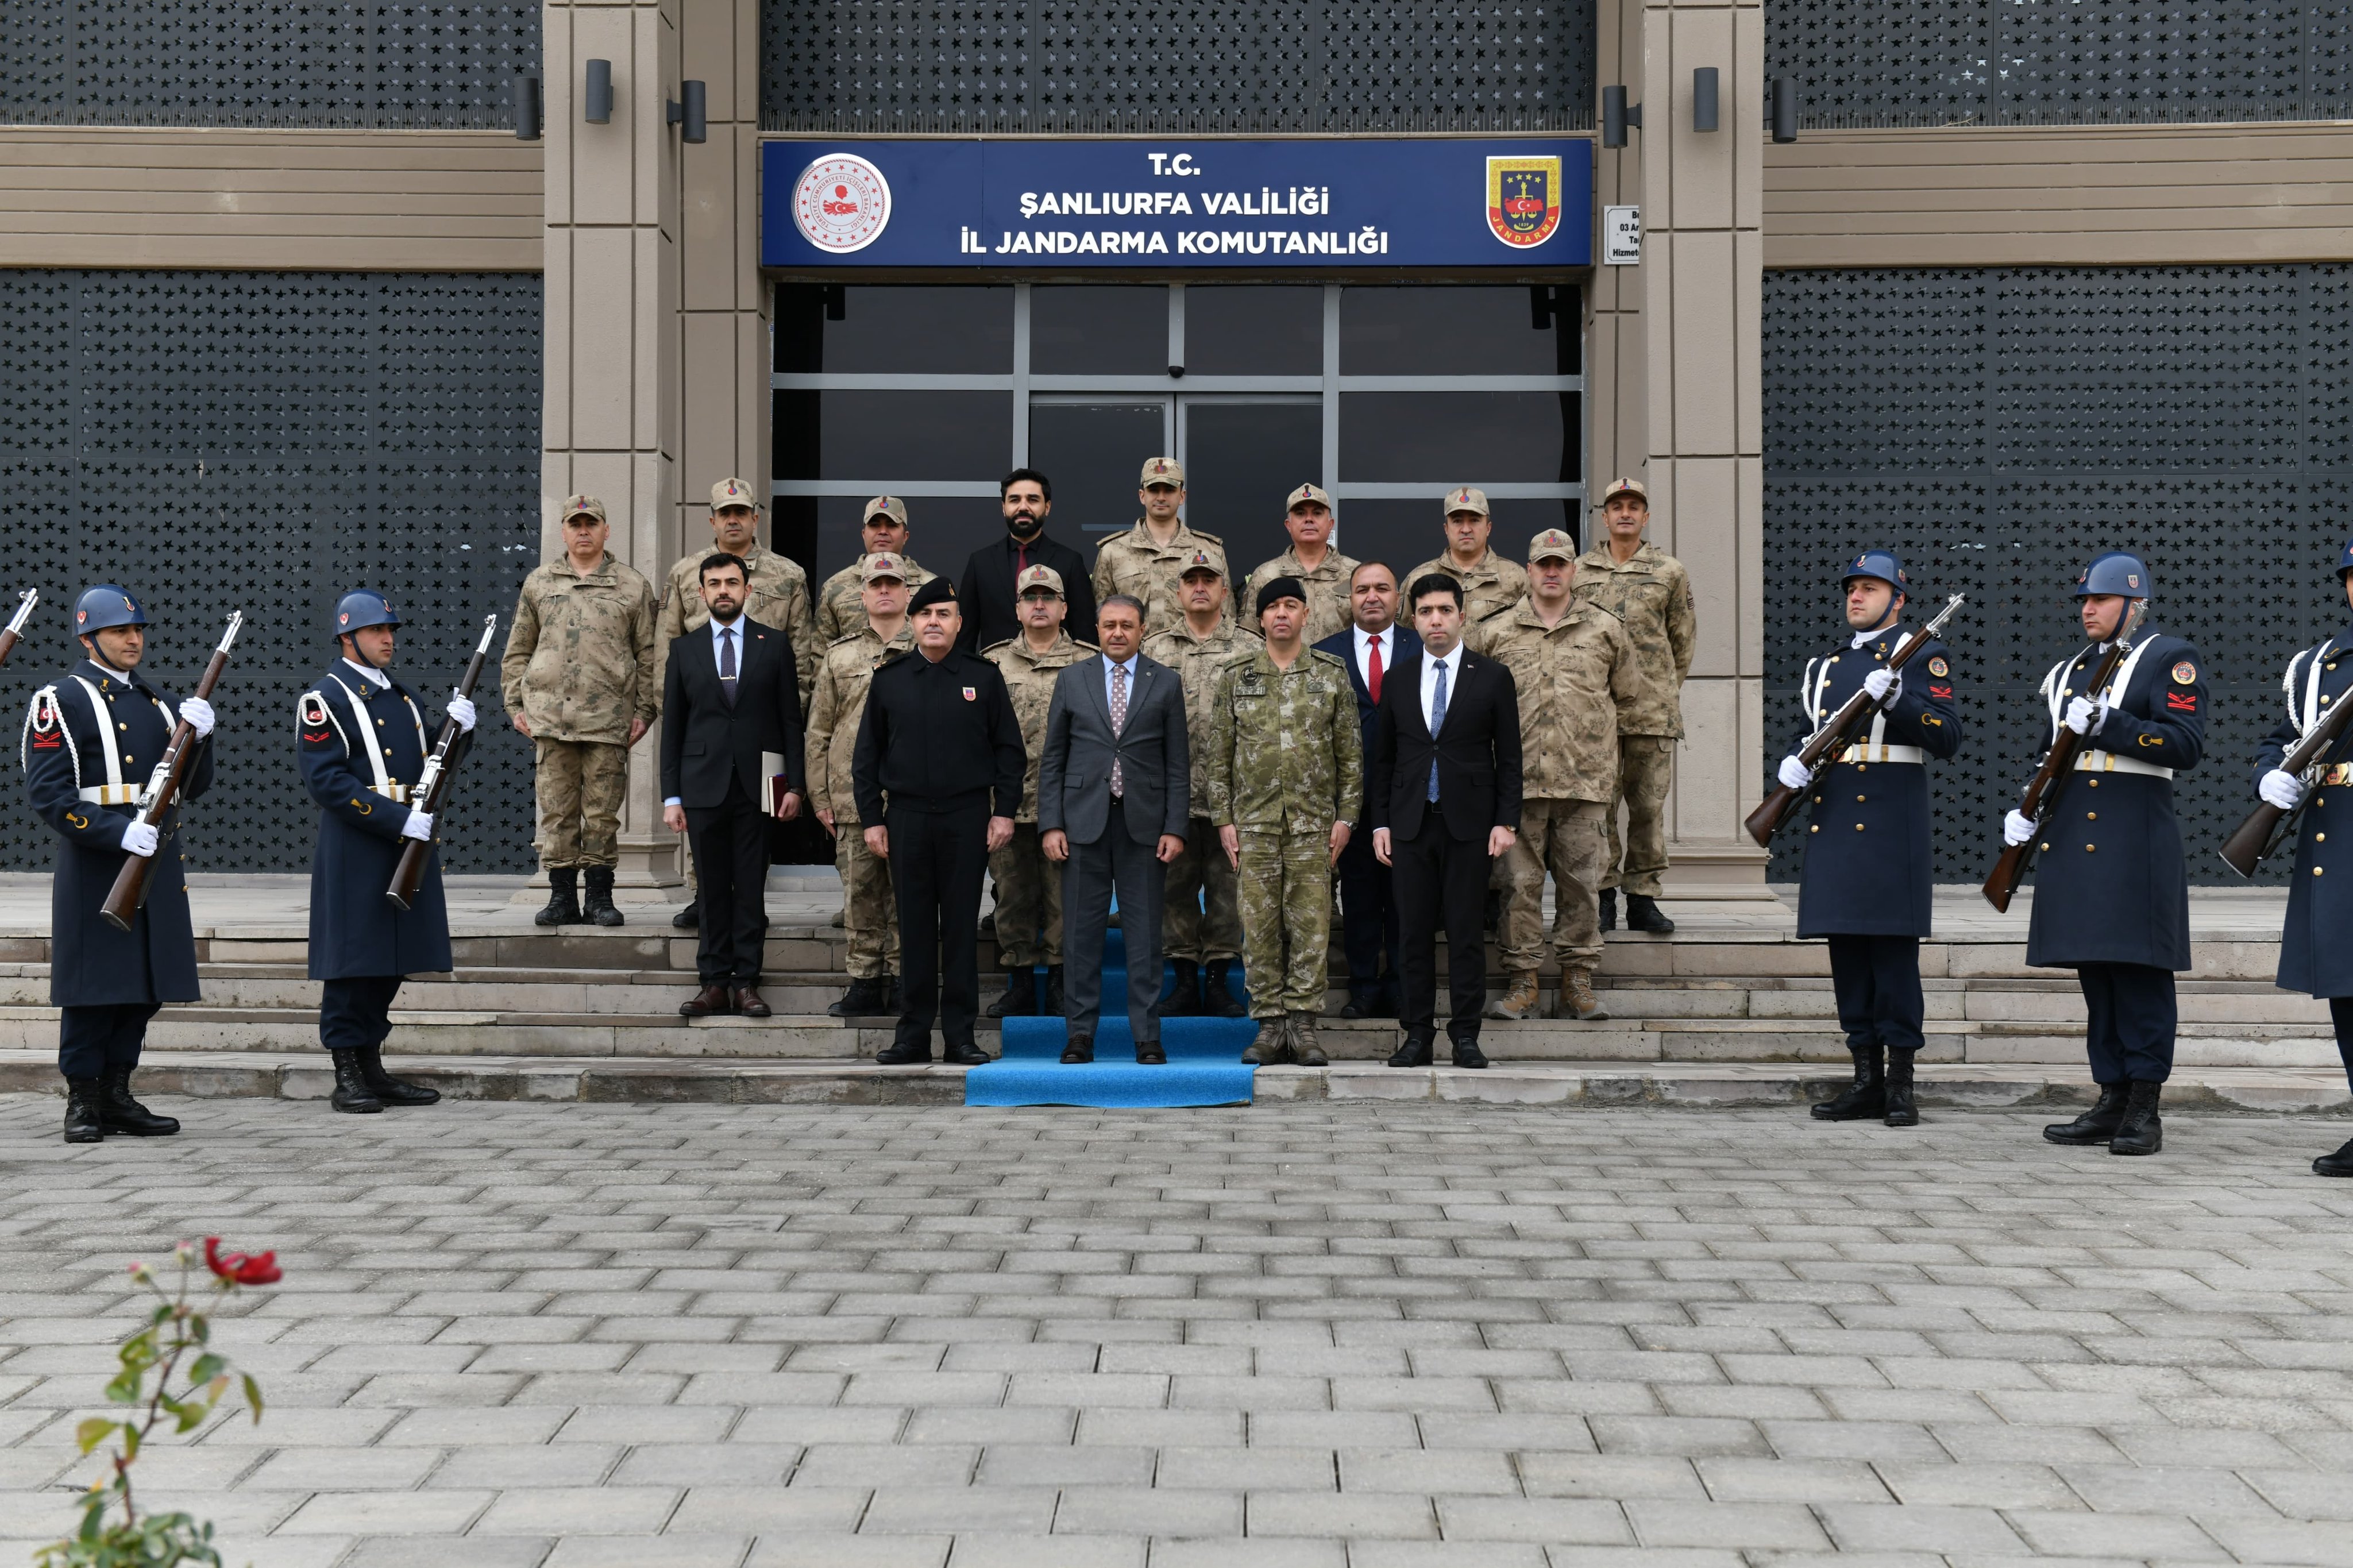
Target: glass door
<point x="1092" y="449"/>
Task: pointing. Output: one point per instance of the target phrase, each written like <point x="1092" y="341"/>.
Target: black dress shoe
<point x="901" y="1053"/>
<point x="709" y="1001"/>
<point x="966" y="1055"/>
<point x="686" y="919"/>
<point x="1642" y="914"/>
<point x="2338" y="1165"/>
<point x="1417" y="1052"/>
<point x="1148" y="1054"/>
<point x="1467" y="1054"/>
<point x="1080" y="1051"/>
<point x="1360" y="1002"/>
<point x="749" y="1003"/>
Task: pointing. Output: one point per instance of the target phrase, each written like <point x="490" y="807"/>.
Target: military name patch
<point x="2185" y="674"/>
<point x="1938" y="667"/>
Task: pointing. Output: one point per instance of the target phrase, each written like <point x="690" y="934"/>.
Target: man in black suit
<point x="731" y="723"/>
<point x="990" y="604"/>
<point x="1373" y="648"/>
<point x="1444" y="802"/>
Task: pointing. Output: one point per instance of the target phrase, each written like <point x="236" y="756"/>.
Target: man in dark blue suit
<point x="362" y="749"/>
<point x="1373" y="648"/>
<point x="91" y="742"/>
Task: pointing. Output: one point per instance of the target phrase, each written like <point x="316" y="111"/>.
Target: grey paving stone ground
<point x="1297" y="1336"/>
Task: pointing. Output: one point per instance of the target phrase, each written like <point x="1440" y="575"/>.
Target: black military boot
<point x="2141" y="1131"/>
<point x="1185" y="1000"/>
<point x="2096" y="1125"/>
<point x="1901" y="1112"/>
<point x="2340" y="1163"/>
<point x="1217" y="999"/>
<point x="1643" y="913"/>
<point x="1020" y="998"/>
<point x="351" y="1094"/>
<point x="83" y="1124"/>
<point x="119" y="1113"/>
<point x="862" y="1000"/>
<point x="1863" y="1100"/>
<point x="562" y="906"/>
<point x="388" y="1088"/>
<point x="597" y="908"/>
<point x="1608" y="908"/>
<point x="689" y="916"/>
<point x="1052" y="1007"/>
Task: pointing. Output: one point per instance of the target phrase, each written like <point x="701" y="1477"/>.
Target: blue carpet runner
<point x="1204" y="1057"/>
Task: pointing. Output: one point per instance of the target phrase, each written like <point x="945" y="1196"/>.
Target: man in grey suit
<point x="1115" y="786"/>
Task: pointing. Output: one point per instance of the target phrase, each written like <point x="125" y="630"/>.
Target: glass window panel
<point x="1248" y="331"/>
<point x="1405" y="534"/>
<point x="1458" y="438"/>
<point x="1077" y="330"/>
<point x="1241" y="460"/>
<point x="914" y="435"/>
<point x="1459" y="330"/>
<point x="1093" y="453"/>
<point x="941" y="530"/>
<point x="954" y="330"/>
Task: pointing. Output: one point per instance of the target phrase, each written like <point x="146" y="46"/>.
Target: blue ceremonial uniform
<point x="2316" y="940"/>
<point x="90" y="742"/>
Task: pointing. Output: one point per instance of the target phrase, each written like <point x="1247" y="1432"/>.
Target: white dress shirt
<point x="372" y="675"/>
<point x="1386" y="637"/>
<point x="1111" y="664"/>
<point x="1452" y="663"/>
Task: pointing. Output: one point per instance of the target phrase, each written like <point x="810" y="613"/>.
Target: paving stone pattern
<point x="1327" y="1336"/>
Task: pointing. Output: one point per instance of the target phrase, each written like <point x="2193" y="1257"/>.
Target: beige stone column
<point x="1614" y="370"/>
<point x="1703" y="278"/>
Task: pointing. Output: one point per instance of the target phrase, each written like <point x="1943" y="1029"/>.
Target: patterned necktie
<point x="1437" y="721"/>
<point x="727" y="664"/>
<point x="1118" y="722"/>
<point x="1373" y="667"/>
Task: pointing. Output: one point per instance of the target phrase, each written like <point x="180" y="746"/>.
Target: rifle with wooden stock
<point x="2041" y="789"/>
<point x="1838" y="733"/>
<point x="159" y="802"/>
<point x="433" y="783"/>
<point x="2267" y="827"/>
<point x="15" y="633"/>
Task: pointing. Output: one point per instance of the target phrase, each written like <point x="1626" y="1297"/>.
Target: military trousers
<point x="2341" y="1013"/>
<point x="1202" y="919"/>
<point x="1563" y="837"/>
<point x="2134" y="1017"/>
<point x="1029" y="901"/>
<point x="581" y="784"/>
<point x="1877" y="979"/>
<point x="104" y="1037"/>
<point x="1646" y="765"/>
<point x="1285" y="883"/>
<point x="356" y="1010"/>
<point x="868" y="914"/>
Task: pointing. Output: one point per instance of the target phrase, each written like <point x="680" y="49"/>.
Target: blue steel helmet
<point x="2345" y="561"/>
<point x="1880" y="563"/>
<point x="361" y="609"/>
<point x="104" y="605"/>
<point x="2115" y="571"/>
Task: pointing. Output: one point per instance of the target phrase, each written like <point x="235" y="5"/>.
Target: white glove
<point x="197" y="714"/>
<point x="2280" y="789"/>
<point x="418" y="825"/>
<point x="1879" y="682"/>
<point x="141" y="838"/>
<point x="1794" y="773"/>
<point x="461" y="709"/>
<point x="2085" y="717"/>
<point x="2017" y="828"/>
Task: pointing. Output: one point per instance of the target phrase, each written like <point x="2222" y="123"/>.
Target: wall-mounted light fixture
<point x="1616" y="115"/>
<point x="596" y="98"/>
<point x="1704" y="99"/>
<point x="525" y="104"/>
<point x="687" y="114"/>
<point x="1782" y="96"/>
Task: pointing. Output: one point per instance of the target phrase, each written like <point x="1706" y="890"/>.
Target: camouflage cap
<point x="1552" y="545"/>
<point x="881" y="563"/>
<point x="1037" y="577"/>
<point x="580" y="506"/>
<point x="1203" y="560"/>
<point x="885" y="506"/>
<point x="1464" y="499"/>
<point x="1162" y="471"/>
<point x="733" y="492"/>
<point x="1634" y="488"/>
<point x="1304" y="494"/>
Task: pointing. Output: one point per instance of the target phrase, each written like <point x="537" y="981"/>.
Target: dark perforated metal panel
<point x="265" y="62"/>
<point x="1877" y="62"/>
<point x="1998" y="428"/>
<point x="1063" y="66"/>
<point x="225" y="440"/>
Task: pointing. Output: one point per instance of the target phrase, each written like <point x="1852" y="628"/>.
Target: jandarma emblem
<point x="1523" y="200"/>
<point x="841" y="203"/>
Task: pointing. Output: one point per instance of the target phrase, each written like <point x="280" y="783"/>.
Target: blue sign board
<point x="1331" y="204"/>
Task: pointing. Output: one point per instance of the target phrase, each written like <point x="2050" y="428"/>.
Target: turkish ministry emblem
<point x="841" y="203"/>
<point x="1523" y="200"/>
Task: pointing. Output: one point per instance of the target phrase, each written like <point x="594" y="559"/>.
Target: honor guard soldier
<point x="1201" y="922"/>
<point x="1148" y="562"/>
<point x="92" y="740"/>
<point x="1868" y="882"/>
<point x="1321" y="572"/>
<point x="841" y="602"/>
<point x="869" y="915"/>
<point x="1491" y="584"/>
<point x="362" y="749"/>
<point x="1029" y="889"/>
<point x="2317" y="943"/>
<point x="2111" y="888"/>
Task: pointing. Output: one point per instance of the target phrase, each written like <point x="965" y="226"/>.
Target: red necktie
<point x="1021" y="554"/>
<point x="1373" y="667"/>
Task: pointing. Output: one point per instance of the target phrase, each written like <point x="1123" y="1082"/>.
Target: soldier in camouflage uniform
<point x="777" y="597"/>
<point x="581" y="679"/>
<point x="1286" y="778"/>
<point x="1490" y="583"/>
<point x="1201" y="927"/>
<point x="1148" y="561"/>
<point x="1321" y="571"/>
<point x="869" y="914"/>
<point x="841" y="601"/>
<point x="1573" y="664"/>
<point x="1029" y="889"/>
<point x="1650" y="592"/>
